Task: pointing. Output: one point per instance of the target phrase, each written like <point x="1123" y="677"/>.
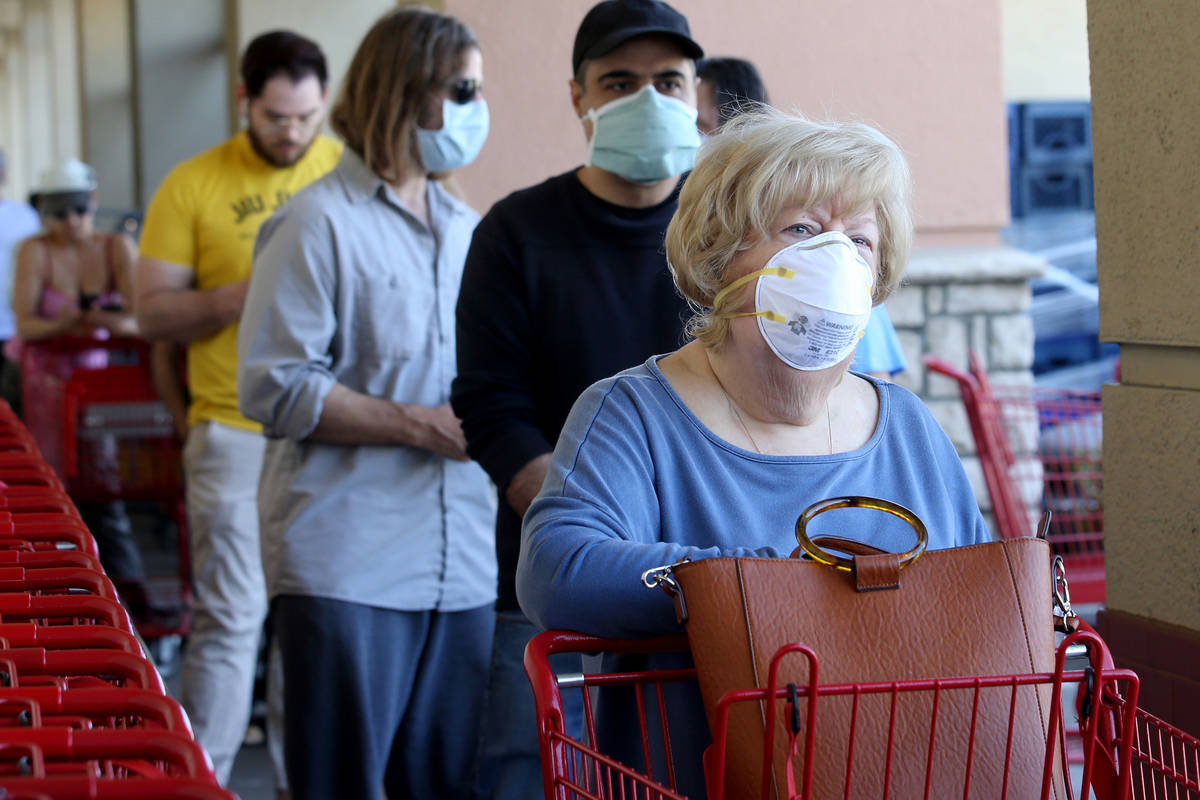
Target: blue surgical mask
<point x="461" y="137"/>
<point x="645" y="137"/>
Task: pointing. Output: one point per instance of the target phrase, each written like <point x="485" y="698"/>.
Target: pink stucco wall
<point x="928" y="72"/>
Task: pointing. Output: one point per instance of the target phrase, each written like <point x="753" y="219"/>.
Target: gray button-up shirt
<point x="349" y="287"/>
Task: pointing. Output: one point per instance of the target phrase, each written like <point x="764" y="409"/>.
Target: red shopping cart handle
<point x="74" y="344"/>
<point x="15" y="520"/>
<point x="56" y="580"/>
<point x="14" y="442"/>
<point x="68" y="637"/>
<point x="44" y="492"/>
<point x="21" y="460"/>
<point x="36" y="559"/>
<point x="180" y="752"/>
<point x="79" y="609"/>
<point x="113" y="665"/>
<point x="93" y="788"/>
<point x="46" y="504"/>
<point x="65" y="533"/>
<point x="141" y="708"/>
<point x="15" y="476"/>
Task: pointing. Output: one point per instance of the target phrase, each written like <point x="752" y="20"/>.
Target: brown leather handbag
<point x="876" y="616"/>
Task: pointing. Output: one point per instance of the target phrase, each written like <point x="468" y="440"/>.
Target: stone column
<point x="1145" y="114"/>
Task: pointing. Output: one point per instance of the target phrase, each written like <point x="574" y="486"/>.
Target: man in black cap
<point x="566" y="283"/>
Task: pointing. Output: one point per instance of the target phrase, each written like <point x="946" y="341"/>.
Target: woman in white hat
<point x="71" y="278"/>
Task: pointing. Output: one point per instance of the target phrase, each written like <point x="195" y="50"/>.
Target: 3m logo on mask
<point x="812" y="301"/>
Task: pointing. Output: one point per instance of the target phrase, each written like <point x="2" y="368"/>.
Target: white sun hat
<point x="70" y="175"/>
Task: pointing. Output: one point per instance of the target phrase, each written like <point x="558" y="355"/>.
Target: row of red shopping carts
<point x="83" y="713"/>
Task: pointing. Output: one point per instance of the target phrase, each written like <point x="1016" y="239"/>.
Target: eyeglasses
<point x="65" y="211"/>
<point x="280" y="123"/>
<point x="464" y="90"/>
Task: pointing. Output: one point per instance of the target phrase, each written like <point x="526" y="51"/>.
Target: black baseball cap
<point x="613" y="22"/>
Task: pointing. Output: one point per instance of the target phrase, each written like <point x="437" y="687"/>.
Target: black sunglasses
<point x="464" y="91"/>
<point x="65" y="211"/>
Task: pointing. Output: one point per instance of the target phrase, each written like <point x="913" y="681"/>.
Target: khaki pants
<point x="221" y="466"/>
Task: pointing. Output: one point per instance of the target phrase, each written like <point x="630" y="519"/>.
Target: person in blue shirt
<point x="787" y="233"/>
<point x="879" y="351"/>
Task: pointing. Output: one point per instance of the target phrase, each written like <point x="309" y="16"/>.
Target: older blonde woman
<point x="787" y="232"/>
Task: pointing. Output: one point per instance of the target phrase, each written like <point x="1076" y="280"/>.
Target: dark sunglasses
<point x="66" y="211"/>
<point x="464" y="91"/>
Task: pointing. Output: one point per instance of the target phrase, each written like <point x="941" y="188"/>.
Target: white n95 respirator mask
<point x="813" y="300"/>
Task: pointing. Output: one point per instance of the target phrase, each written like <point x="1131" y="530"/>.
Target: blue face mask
<point x="645" y="137"/>
<point x="461" y="137"/>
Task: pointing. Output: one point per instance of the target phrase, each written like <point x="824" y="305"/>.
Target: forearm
<point x="526" y="484"/>
<point x="349" y="417"/>
<point x="32" y="329"/>
<point x="185" y="315"/>
<point x="576" y="574"/>
<point x="168" y="385"/>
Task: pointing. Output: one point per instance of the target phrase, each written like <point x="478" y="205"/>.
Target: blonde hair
<point x="758" y="165"/>
<point x="400" y="61"/>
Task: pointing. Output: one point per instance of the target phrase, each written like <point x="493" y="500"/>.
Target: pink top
<point x="53" y="301"/>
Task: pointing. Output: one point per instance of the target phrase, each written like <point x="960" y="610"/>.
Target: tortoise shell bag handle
<point x="872" y="569"/>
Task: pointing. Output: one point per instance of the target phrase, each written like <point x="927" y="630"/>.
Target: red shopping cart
<point x="83" y="713"/>
<point x="1098" y="736"/>
<point x="1039" y="450"/>
<point x="91" y="407"/>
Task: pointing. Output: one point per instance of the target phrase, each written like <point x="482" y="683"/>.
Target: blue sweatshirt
<point x="637" y="481"/>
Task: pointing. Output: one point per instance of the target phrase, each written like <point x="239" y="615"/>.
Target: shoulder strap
<point x="48" y="262"/>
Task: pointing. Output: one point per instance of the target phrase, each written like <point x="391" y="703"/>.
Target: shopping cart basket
<point x="1039" y="450"/>
<point x="1099" y="735"/>
<point x="98" y="421"/>
<point x="91" y="407"/>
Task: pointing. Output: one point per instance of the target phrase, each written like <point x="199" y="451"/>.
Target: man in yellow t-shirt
<point x="196" y="251"/>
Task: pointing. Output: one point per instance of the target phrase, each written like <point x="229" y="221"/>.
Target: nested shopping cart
<point x="1093" y="742"/>
<point x="83" y="713"/>
<point x="1039" y="450"/>
<point x="91" y="407"/>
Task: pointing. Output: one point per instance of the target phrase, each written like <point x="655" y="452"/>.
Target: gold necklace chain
<point x="737" y="415"/>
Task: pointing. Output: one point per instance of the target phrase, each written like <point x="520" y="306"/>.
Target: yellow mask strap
<point x="782" y="272"/>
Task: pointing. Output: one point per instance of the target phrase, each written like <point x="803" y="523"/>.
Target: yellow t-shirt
<point x="205" y="216"/>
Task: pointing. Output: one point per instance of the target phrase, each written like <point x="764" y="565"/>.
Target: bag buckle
<point x="664" y="578"/>
<point x="1066" y="621"/>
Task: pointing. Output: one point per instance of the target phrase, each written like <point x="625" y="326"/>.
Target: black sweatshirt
<point x="560" y="290"/>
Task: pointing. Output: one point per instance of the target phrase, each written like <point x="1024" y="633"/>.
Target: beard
<point x="273" y="158"/>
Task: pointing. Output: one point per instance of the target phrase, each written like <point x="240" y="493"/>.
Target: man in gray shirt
<point x="376" y="529"/>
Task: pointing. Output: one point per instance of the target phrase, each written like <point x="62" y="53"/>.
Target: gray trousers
<point x="380" y="698"/>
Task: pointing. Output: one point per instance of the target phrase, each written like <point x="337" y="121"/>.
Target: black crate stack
<point x="1050" y="157"/>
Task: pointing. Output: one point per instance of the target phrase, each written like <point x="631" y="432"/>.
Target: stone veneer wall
<point x="952" y="301"/>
